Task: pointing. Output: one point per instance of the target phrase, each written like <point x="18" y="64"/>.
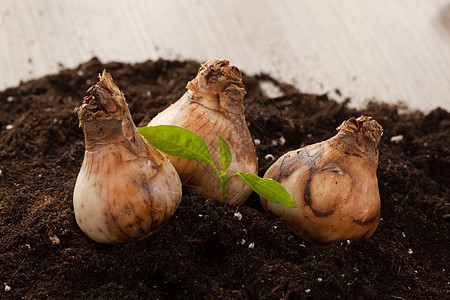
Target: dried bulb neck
<point x="104" y="114"/>
<point x="109" y="131"/>
<point x="218" y="85"/>
<point x="364" y="133"/>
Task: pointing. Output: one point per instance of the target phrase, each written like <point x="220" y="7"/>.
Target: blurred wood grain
<point x="396" y="50"/>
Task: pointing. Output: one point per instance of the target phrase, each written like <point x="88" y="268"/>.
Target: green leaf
<point x="268" y="188"/>
<point x="225" y="153"/>
<point x="177" y="141"/>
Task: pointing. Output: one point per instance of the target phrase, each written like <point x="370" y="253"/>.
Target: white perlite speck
<point x="10" y="99"/>
<point x="9" y="127"/>
<point x="410" y="251"/>
<point x="307" y="291"/>
<point x="251" y="245"/>
<point x="238" y="215"/>
<point x="282" y="141"/>
<point x="257" y="142"/>
<point x="319" y="279"/>
<point x="55" y="240"/>
<point x="242" y="242"/>
<point x="269" y="157"/>
<point x="7" y="288"/>
<point x="397" y="138"/>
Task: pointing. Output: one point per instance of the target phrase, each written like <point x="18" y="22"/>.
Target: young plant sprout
<point x="212" y="106"/>
<point x="126" y="189"/>
<point x="183" y="143"/>
<point x="334" y="184"/>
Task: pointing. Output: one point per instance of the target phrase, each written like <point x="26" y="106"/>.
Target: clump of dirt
<point x="206" y="250"/>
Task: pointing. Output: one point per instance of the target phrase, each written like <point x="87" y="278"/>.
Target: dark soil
<point x="204" y="251"/>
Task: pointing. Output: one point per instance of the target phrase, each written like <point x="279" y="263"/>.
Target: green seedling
<point x="183" y="143"/>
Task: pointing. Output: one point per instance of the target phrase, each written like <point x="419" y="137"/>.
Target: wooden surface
<point x="392" y="50"/>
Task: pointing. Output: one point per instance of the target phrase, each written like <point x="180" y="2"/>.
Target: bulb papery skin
<point x="213" y="105"/>
<point x="126" y="189"/>
<point x="334" y="184"/>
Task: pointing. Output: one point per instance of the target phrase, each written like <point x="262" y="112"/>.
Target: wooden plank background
<point x="392" y="50"/>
